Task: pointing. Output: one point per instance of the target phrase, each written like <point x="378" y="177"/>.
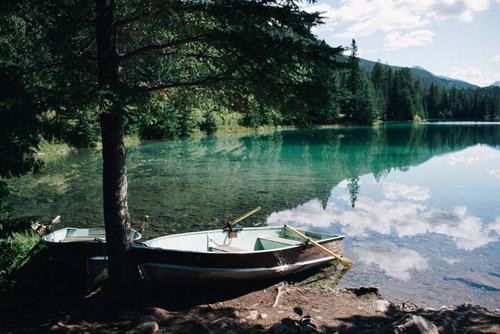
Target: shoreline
<point x="49" y="151"/>
<point x="278" y="309"/>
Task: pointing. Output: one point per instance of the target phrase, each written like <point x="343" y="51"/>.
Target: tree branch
<point x="156" y="47"/>
<point x="206" y="81"/>
<point x="172" y="6"/>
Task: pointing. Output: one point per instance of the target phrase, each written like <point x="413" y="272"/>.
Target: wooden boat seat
<point x="97" y="231"/>
<point x="79" y="239"/>
<point x="280" y="240"/>
<point x="228" y="249"/>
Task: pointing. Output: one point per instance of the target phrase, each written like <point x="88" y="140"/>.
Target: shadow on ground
<point x="51" y="296"/>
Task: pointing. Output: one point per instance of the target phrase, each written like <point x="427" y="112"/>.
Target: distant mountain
<point x="425" y="77"/>
<point x="495" y="84"/>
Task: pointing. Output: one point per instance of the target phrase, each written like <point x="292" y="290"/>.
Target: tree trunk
<point x="116" y="217"/>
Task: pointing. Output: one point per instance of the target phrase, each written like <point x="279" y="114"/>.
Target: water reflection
<point x="387" y="217"/>
<point x="395" y="208"/>
<point x="397" y="262"/>
<point x="408" y="185"/>
<point x="494" y="172"/>
<point x="435" y="224"/>
<point x="399" y="191"/>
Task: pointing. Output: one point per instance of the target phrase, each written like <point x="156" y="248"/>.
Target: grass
<point x="49" y="151"/>
<point x="14" y="250"/>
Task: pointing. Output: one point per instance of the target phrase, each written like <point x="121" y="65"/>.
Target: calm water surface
<point x="419" y="204"/>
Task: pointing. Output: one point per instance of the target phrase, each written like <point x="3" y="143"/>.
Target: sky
<point x="455" y="38"/>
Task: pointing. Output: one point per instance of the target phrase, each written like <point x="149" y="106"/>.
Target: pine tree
<point x="381" y="86"/>
<point x="110" y="57"/>
<point x="405" y="100"/>
<point x="433" y="101"/>
<point x="360" y="106"/>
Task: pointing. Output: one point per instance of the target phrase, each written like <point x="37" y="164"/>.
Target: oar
<point x="245" y="216"/>
<point x="345" y="261"/>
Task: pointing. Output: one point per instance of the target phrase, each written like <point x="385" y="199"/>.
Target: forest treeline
<point x="355" y="96"/>
<point x="395" y="95"/>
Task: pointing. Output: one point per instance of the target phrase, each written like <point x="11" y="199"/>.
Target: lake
<point x="419" y="203"/>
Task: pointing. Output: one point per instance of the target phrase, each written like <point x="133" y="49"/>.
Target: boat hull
<point x="160" y="265"/>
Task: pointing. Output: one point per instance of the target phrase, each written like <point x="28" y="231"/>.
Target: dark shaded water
<point x="419" y="204"/>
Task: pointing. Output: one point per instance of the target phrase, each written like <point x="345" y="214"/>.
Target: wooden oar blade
<point x="345" y="261"/>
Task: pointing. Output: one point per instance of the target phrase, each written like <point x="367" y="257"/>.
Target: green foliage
<point x="4" y="207"/>
<point x="79" y="129"/>
<point x="202" y="55"/>
<point x="16" y="241"/>
<point x="19" y="126"/>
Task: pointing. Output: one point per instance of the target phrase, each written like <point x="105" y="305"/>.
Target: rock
<point x="263" y="316"/>
<point x="157" y="314"/>
<point x="54" y="328"/>
<point x="148" y="327"/>
<point x="280" y="328"/>
<point x="252" y="315"/>
<point x="230" y="331"/>
<point x="381" y="305"/>
<point x="223" y="323"/>
<point x="424" y="325"/>
<point x="415" y="324"/>
<point x="365" y="291"/>
<point x="194" y="327"/>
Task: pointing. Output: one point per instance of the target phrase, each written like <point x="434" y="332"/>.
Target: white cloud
<point x="496" y="58"/>
<point x="494" y="172"/>
<point x="474" y="75"/>
<point x="394" y="191"/>
<point x="396" y="262"/>
<point x="365" y="17"/>
<point x="327" y="13"/>
<point x="347" y="52"/>
<point x="396" y="40"/>
<point x="468" y="72"/>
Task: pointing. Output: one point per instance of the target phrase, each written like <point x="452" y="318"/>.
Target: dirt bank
<point x="280" y="308"/>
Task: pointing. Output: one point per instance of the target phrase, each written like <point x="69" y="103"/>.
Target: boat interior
<point x="246" y="240"/>
<point x="71" y="234"/>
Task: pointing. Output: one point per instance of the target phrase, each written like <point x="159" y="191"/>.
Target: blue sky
<point x="455" y="38"/>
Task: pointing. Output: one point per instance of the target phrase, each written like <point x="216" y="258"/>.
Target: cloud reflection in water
<point x="395" y="261"/>
<point x="398" y="222"/>
<point x="394" y="214"/>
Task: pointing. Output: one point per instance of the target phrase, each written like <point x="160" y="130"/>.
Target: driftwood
<point x="278" y="295"/>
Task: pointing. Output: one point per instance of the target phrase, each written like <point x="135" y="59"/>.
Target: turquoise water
<point x="419" y="204"/>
